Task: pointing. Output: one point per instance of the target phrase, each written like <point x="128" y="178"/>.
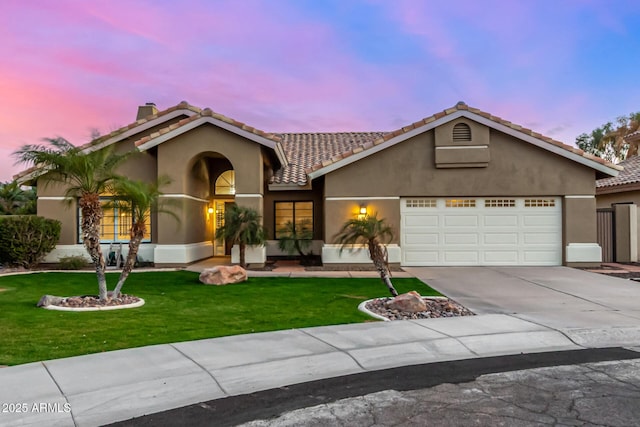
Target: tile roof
<point x="630" y="174"/>
<point x="460" y="106"/>
<point x="310" y="152"/>
<point x="307" y="150"/>
<point x="207" y="112"/>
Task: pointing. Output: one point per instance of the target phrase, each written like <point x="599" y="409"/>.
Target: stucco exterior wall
<point x="516" y="169"/>
<point x="408" y="169"/>
<point x="177" y="157"/>
<point x="624" y="197"/>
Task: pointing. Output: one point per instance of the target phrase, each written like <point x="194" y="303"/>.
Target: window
<point x="421" y="203"/>
<point x="116" y="223"/>
<point x="539" y="203"/>
<point x="461" y="132"/>
<point x="460" y="203"/>
<point x="226" y="183"/>
<point x="500" y="203"/>
<point x="295" y="212"/>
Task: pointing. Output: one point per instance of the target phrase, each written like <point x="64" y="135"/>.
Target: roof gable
<point x="270" y="140"/>
<point x="462" y="110"/>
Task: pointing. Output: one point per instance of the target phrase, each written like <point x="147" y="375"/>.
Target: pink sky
<point x="561" y="68"/>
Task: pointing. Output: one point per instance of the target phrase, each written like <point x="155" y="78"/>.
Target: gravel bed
<point x="436" y="307"/>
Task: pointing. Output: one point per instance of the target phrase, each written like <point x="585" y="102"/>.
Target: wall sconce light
<point x="210" y="210"/>
<point x="362" y="212"/>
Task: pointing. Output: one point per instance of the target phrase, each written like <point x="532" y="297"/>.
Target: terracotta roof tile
<point x="308" y="152"/>
<point x="629" y="175"/>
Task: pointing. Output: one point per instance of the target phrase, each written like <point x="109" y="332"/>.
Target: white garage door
<point x="481" y="231"/>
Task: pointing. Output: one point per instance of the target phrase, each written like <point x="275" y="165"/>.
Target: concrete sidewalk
<point x="102" y="388"/>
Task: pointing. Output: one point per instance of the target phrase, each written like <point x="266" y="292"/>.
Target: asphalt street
<point x="599" y="387"/>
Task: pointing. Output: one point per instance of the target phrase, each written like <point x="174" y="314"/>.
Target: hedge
<point x="26" y="239"/>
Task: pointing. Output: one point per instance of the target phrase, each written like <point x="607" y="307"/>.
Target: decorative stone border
<point x="363" y="308"/>
<point x="99" y="308"/>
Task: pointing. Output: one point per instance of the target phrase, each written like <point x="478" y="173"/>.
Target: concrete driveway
<point x="557" y="297"/>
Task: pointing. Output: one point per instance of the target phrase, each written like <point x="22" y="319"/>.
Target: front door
<point x="221" y="248"/>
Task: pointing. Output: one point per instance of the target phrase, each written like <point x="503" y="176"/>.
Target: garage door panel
<point x="422" y="258"/>
<point x="482" y="232"/>
<point x="500" y="238"/>
<point x="461" y="257"/>
<point x="540" y="238"/>
<point x="421" y="220"/>
<point x="460" y="239"/>
<point x="461" y="221"/>
<point x="422" y="239"/>
<point x="492" y="257"/>
<point x="501" y="221"/>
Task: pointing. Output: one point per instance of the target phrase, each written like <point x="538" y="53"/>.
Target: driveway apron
<point x="558" y="297"/>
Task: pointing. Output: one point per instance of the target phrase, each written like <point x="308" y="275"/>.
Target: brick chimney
<point x="146" y="110"/>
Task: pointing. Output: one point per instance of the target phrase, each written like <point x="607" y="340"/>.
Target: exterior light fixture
<point x="210" y="210"/>
<point x="363" y="210"/>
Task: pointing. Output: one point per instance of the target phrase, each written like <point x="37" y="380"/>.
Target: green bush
<point x="73" y="262"/>
<point x="25" y="240"/>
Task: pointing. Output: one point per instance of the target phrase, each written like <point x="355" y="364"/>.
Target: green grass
<point x="178" y="308"/>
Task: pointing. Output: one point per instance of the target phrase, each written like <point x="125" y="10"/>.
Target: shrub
<point x="73" y="262"/>
<point x="25" y="240"/>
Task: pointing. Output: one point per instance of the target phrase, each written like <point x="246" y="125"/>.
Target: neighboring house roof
<point x="305" y="156"/>
<point x="629" y="177"/>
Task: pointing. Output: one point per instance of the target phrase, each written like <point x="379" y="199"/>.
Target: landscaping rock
<point x="411" y="302"/>
<point x="49" y="300"/>
<point x="223" y="275"/>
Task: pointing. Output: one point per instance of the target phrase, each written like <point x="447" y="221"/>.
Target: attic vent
<point x="461" y="132"/>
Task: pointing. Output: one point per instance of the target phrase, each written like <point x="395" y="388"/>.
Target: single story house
<point x="460" y="187"/>
<point x="618" y="197"/>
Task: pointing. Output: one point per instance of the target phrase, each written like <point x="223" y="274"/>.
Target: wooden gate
<point x="606" y="233"/>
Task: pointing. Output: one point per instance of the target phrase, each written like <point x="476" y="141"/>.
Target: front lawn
<point x="178" y="308"/>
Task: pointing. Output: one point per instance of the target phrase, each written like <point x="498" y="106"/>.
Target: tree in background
<point x="242" y="227"/>
<point x="610" y="142"/>
<point x="14" y="200"/>
<point x="375" y="233"/>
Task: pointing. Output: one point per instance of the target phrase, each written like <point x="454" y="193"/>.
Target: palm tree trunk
<point x="243" y="263"/>
<point x="134" y="246"/>
<point x="377" y="253"/>
<point x="91" y="217"/>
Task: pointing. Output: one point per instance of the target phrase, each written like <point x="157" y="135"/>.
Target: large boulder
<point x="223" y="275"/>
<point x="411" y="302"/>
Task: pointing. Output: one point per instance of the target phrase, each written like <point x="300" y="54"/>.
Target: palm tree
<point x="241" y="226"/>
<point x="375" y="233"/>
<point x="296" y="238"/>
<point x="87" y="174"/>
<point x="139" y="199"/>
<point x="12" y="198"/>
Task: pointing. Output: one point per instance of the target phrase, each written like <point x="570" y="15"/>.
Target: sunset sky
<point x="558" y="67"/>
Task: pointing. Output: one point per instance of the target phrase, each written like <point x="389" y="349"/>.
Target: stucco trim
<point x="363" y="198"/>
<point x="462" y="147"/>
<point x="249" y="195"/>
<point x="54" y="198"/>
<point x="183" y="196"/>
<point x="141" y="128"/>
<point x="586" y="196"/>
<point x="472" y="116"/>
<point x="219" y="123"/>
